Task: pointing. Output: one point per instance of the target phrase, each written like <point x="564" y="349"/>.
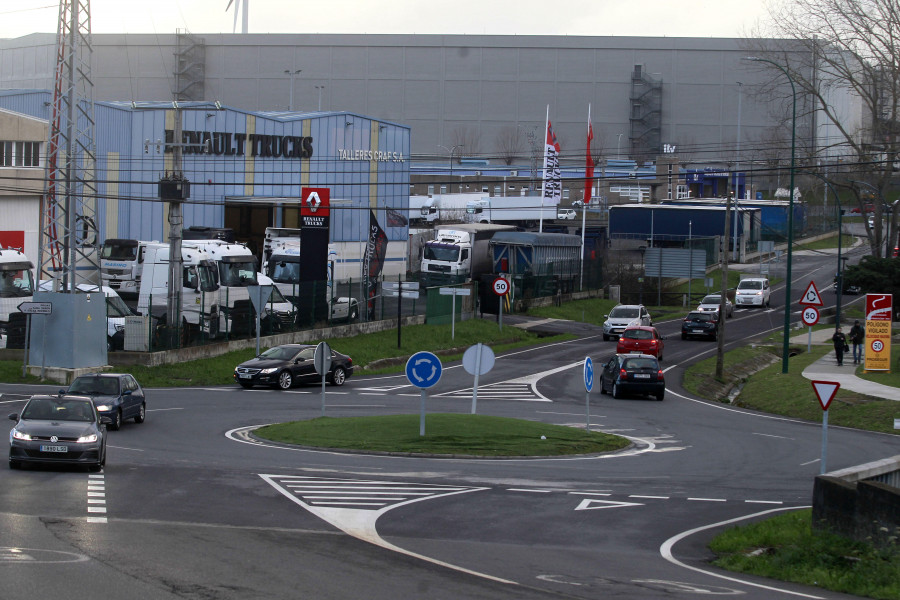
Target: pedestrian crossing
<point x="522" y="391"/>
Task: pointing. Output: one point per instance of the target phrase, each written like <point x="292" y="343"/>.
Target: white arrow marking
<point x="587" y="503"/>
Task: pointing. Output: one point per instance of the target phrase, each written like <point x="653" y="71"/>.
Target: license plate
<point x="54" y="448"/>
<point x="245" y="375"/>
<point x="642" y="376"/>
<point x="635" y="352"/>
<point x="696" y="331"/>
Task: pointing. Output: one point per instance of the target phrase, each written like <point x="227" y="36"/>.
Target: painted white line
<point x="96" y="488"/>
<point x="96" y="494"/>
<point x="666" y="552"/>
<point x="780" y="437"/>
<point x="708" y="499"/>
<point x="357" y="406"/>
<point x="812" y="462"/>
<point x="650" y="497"/>
<point x="163" y="409"/>
<point x="763" y="502"/>
<point x="96" y="509"/>
<point x="96" y="520"/>
<point x="126" y="448"/>
<point x="589" y="494"/>
<point x="96" y="501"/>
<point x="527" y="491"/>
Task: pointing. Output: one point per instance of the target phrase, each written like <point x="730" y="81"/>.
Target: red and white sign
<point x="811" y="296"/>
<point x="825" y="391"/>
<point x="315" y="202"/>
<point x="500" y="286"/>
<point x="878" y="307"/>
<point x="810" y="315"/>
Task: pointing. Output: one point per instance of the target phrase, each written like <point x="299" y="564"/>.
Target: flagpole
<point x="544" y="178"/>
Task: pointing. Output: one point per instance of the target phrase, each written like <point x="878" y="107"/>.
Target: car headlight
<point x="268" y="371"/>
<point x="104" y="408"/>
<point x="20" y="436"/>
<point x="87" y="438"/>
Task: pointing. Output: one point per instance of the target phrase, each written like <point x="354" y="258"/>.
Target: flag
<point x="373" y="261"/>
<point x="552" y="192"/>
<point x="588" y="165"/>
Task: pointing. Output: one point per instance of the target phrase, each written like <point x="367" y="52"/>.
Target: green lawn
<point x="786" y="548"/>
<point x="828" y="243"/>
<point x="472" y="435"/>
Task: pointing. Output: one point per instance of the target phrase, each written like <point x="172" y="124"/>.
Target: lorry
<point x="458" y="253"/>
<point x="282" y="265"/>
<point x="200" y="301"/>
<point x="16" y="286"/>
<point x="523" y="211"/>
<point x="121" y="261"/>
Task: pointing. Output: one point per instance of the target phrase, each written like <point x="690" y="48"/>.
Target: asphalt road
<point x="190" y="505"/>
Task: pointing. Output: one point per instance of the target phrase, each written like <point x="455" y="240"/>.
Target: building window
<point x="443" y="188"/>
<point x="682" y="192"/>
<point x="20" y="154"/>
<point x="431" y="190"/>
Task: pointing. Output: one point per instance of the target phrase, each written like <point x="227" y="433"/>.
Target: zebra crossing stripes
<point x="504" y="390"/>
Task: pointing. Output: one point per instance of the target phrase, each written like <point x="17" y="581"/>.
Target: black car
<point x="289" y="364"/>
<point x="633" y="374"/>
<point x="58" y="429"/>
<point x="700" y="324"/>
<point x="116" y="395"/>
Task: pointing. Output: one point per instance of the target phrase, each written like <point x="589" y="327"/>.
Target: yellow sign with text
<point x="878" y="346"/>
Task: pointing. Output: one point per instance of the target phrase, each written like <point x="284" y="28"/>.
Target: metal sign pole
<point x="822" y="471"/>
<point x="323" y="393"/>
<point x="477" y="371"/>
<point x="27" y="343"/>
<point x="809" y="341"/>
<point x="422" y="415"/>
<point x="587" y="411"/>
<point x="453" y="317"/>
<point x="500" y="314"/>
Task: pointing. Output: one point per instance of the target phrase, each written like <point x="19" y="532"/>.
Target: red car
<point x="641" y="340"/>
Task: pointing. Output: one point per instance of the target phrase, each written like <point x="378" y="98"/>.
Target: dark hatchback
<point x="116" y="395"/>
<point x="700" y="324"/>
<point x="289" y="364"/>
<point x="625" y="374"/>
<point x="58" y="429"/>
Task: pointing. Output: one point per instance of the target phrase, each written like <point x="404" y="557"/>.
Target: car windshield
<point x="280" y="353"/>
<point x="445" y="252"/>
<point x="16" y="284"/>
<point x="750" y="285"/>
<point x="711" y="300"/>
<point x="284" y="271"/>
<point x="638" y="334"/>
<point x="116" y="307"/>
<point x="622" y="312"/>
<point x="107" y="386"/>
<point x="632" y="364"/>
<point x="51" y="409"/>
<point x="700" y="317"/>
<point x="237" y="274"/>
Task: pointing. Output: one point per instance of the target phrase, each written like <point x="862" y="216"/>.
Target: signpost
<point x="501" y="288"/>
<point x="400" y="289"/>
<point x="423" y="370"/>
<point x="477" y="360"/>
<point x="825" y="392"/>
<point x="453" y="292"/>
<point x="811" y="296"/>
<point x="588" y="386"/>
<point x="809" y="300"/>
<point x="810" y="317"/>
<point x="259" y="295"/>
<point x="322" y="361"/>
<point x="879" y="311"/>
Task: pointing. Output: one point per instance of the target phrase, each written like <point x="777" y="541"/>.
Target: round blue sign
<point x="588" y="374"/>
<point x="423" y="369"/>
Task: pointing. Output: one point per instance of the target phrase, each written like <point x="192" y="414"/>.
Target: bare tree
<point x="469" y="139"/>
<point x="830" y="48"/>
<point x="510" y="145"/>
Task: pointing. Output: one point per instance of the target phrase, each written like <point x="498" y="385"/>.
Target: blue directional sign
<point x="588" y="374"/>
<point x="423" y="369"/>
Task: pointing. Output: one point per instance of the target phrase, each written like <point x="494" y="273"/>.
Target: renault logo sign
<point x="313" y="201"/>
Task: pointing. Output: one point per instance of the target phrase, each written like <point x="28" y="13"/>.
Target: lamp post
<point x="451" y="150"/>
<point x="320" y="88"/>
<point x="839" y="276"/>
<point x="618" y="144"/>
<point x="884" y="206"/>
<point x="291" y="74"/>
<point x="790" y="240"/>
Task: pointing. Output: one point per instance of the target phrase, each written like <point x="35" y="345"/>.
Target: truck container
<point x="458" y="253"/>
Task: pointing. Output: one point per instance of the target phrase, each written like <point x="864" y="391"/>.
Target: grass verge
<point x="785" y="547"/>
<point x="828" y="243"/>
<point x="473" y="435"/>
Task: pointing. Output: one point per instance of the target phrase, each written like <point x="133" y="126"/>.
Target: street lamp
<point x="618" y="144"/>
<point x="451" y="150"/>
<point x="839" y="277"/>
<point x="291" y="74"/>
<point x="790" y="240"/>
<point x="320" y="88"/>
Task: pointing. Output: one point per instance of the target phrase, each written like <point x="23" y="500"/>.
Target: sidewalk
<point x="827" y="369"/>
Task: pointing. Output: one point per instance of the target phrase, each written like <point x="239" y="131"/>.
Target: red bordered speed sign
<point x="810" y="315"/>
<point x="500" y="286"/>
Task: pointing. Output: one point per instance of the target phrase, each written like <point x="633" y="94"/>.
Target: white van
<point x="753" y="291"/>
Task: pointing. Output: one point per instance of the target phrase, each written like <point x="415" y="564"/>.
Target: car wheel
<point x="14" y="464"/>
<point x="659" y="357"/>
<point x="142" y="413"/>
<point x="285" y="380"/>
<point x="660" y="396"/>
<point x="684" y="336"/>
<point x="616" y="391"/>
<point x="605" y="338"/>
<point x="602" y="387"/>
<point x="715" y="337"/>
<point x="338" y="376"/>
<point x="246" y="384"/>
<point x="95" y="467"/>
<point x="354" y="313"/>
<point x="117" y="421"/>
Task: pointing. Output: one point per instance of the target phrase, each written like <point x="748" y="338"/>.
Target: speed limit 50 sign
<point x="810" y="315"/>
<point x="500" y="286"/>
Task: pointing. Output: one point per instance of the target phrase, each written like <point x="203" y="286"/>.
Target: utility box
<point x="137" y="333"/>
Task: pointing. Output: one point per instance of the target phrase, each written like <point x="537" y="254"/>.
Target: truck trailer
<point x="522" y="211"/>
<point x="458" y="253"/>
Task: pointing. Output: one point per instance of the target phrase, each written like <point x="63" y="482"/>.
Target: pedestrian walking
<point x="857" y="337"/>
<point x="840" y="345"/>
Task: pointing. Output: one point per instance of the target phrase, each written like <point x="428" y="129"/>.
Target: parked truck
<point x="16" y="286"/>
<point x="523" y="211"/>
<point x="458" y="253"/>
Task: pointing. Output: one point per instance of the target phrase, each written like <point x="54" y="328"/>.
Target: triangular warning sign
<point x="825" y="391"/>
<point x="811" y="296"/>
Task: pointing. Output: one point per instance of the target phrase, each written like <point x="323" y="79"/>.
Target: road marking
<point x="35" y="556"/>
<point x="666" y="551"/>
<point x="763" y="502"/>
<point x="96" y="494"/>
<point x="649" y="497"/>
<point x="359" y="522"/>
<point x="812" y="462"/>
<point x="708" y="499"/>
<point x="529" y="491"/>
<point x="590" y="494"/>
<point x="587" y="504"/>
<point x="780" y="437"/>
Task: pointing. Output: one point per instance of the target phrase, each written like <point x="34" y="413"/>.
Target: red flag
<point x="589" y="167"/>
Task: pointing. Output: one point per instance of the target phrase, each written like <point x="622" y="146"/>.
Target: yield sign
<point x="811" y="296"/>
<point x="588" y="504"/>
<point x="825" y="391"/>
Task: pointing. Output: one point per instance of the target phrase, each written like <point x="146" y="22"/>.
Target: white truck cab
<point x="16" y="286"/>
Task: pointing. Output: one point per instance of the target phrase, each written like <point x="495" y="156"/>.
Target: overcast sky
<point x="656" y="18"/>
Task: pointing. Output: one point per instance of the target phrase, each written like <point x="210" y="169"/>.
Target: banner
<point x="879" y="310"/>
<point x="588" y="164"/>
<point x="552" y="189"/>
<point x="373" y="261"/>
